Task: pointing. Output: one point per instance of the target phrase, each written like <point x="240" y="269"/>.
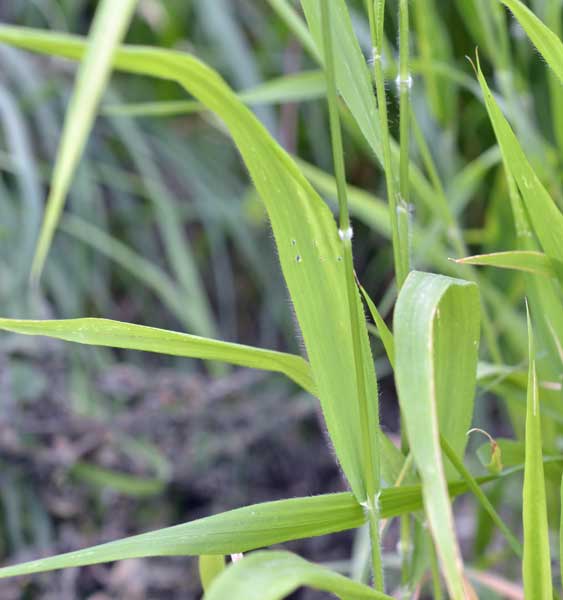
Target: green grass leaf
<point x="108" y="29"/>
<point x="298" y="87"/>
<point x="275" y="575"/>
<point x="543" y="213"/>
<point x="384" y="331"/>
<point x="309" y="248"/>
<point x="287" y="13"/>
<point x="537" y="263"/>
<point x="115" y="334"/>
<point x="436" y="328"/>
<point x="231" y="532"/>
<point x="547" y="42"/>
<point x="210" y="567"/>
<point x="352" y="76"/>
<point x="561" y="531"/>
<point x="244" y="529"/>
<point x="536" y="568"/>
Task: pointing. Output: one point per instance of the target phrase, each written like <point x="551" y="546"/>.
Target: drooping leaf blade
<point x="536" y="566"/>
<point x="115" y="334"/>
<point x="275" y="575"/>
<point x="108" y="29"/>
<point x="436" y="329"/>
<point x="307" y="240"/>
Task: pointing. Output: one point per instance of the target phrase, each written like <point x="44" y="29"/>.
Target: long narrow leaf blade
<point x="352" y="75"/>
<point x="275" y="575"/>
<point x="115" y="334"/>
<point x="544" y="215"/>
<point x="242" y="529"/>
<point x="547" y="42"/>
<point x="536" y="568"/>
<point x="436" y="328"/>
<point x="561" y="531"/>
<point x="309" y="247"/>
<point x="232" y="532"/>
<point x="384" y="331"/>
<point x="108" y="29"/>
<point x="537" y="263"/>
<point x="299" y="87"/>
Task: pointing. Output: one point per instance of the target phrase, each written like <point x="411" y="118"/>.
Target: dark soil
<point x="239" y="439"/>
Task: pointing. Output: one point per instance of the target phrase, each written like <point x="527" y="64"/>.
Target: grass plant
<point x="461" y="328"/>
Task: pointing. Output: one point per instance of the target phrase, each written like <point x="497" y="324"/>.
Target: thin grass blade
<point x="275" y="575"/>
<point x="115" y="334"/>
<point x="544" y="215"/>
<point x="536" y="567"/>
<point x="527" y="261"/>
<point x="298" y="87"/>
<point x="384" y="331"/>
<point x="245" y="529"/>
<point x="108" y="29"/>
<point x="546" y="41"/>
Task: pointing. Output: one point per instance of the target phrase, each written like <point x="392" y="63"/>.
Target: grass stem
<point x="399" y="222"/>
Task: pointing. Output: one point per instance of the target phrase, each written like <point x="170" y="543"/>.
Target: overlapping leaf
<point x="243" y="529"/>
<point x="436" y="329"/>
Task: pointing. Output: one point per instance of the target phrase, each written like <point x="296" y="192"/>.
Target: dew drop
<point x="339" y="258"/>
<point x="298" y="258"/>
<point x="293" y="242"/>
